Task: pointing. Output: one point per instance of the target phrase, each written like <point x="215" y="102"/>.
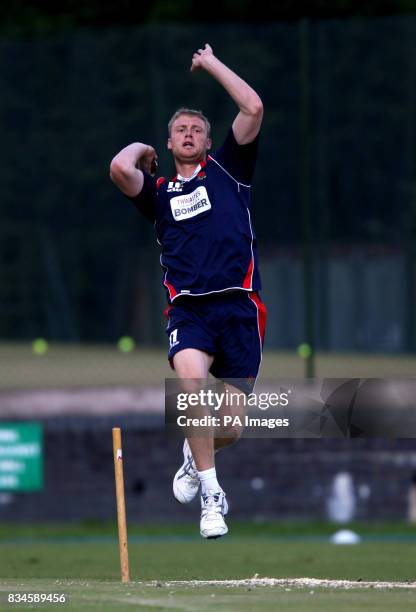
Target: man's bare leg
<point x="192" y="367"/>
<point x="235" y="407"/>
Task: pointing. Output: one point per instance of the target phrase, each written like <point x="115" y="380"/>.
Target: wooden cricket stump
<point x="121" y="505"/>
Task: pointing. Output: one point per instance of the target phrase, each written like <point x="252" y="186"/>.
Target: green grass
<point x="70" y="365"/>
<point x="82" y="561"/>
<point x="276" y="529"/>
<point x="112" y="596"/>
<point x="228" y="559"/>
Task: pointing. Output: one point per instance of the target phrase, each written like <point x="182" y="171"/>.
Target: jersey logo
<point x="174" y="186"/>
<point x="191" y="204"/>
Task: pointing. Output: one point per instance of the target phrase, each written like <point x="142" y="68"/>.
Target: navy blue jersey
<point x="203" y="225"/>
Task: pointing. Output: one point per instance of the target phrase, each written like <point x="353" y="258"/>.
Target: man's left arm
<point x="247" y="124"/>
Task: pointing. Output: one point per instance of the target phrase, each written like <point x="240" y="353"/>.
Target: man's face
<point x="189" y="140"/>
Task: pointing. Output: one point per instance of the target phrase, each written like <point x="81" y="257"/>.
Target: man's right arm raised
<point x="126" y="167"/>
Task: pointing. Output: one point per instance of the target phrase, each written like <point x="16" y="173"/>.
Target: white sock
<point x="209" y="482"/>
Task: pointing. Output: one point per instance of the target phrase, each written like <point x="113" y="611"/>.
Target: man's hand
<point x="198" y="58"/>
<point x="247" y="124"/>
<point x="148" y="161"/>
<point x="127" y="166"/>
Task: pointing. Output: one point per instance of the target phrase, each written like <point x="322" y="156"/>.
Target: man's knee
<point x="229" y="436"/>
<point x="192" y="365"/>
<point x="191" y="385"/>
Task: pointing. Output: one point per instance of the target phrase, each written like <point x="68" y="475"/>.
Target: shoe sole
<point x="214" y="536"/>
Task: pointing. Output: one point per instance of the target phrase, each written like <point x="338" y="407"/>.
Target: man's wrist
<point x="211" y="62"/>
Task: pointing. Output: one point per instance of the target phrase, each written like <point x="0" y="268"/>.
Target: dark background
<point x="81" y="81"/>
<point x="32" y="18"/>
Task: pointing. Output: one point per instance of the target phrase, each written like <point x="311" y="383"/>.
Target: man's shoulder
<point x="236" y="159"/>
<point x="228" y="142"/>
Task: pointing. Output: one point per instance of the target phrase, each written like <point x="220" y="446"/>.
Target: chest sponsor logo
<point x="190" y="205"/>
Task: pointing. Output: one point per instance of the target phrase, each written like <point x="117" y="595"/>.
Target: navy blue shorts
<point x="230" y="326"/>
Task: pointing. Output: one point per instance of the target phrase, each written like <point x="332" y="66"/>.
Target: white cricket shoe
<point x="186" y="481"/>
<point x="214" y="507"/>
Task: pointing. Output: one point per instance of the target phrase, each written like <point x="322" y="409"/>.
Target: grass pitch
<point x="170" y="567"/>
<point x="111" y="596"/>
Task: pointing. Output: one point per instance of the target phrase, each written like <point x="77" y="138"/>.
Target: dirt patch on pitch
<point x="310" y="583"/>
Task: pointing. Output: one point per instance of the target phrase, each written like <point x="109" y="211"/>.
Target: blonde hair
<point x="189" y="111"/>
